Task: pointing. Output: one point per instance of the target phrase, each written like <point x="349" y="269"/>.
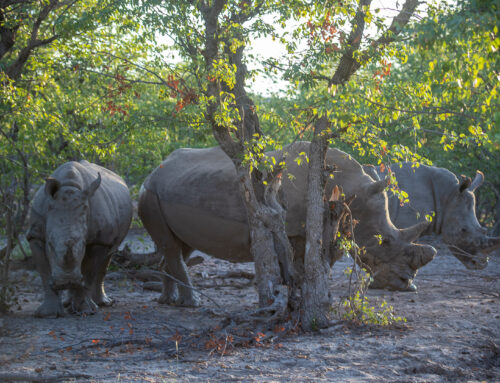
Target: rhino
<point x="192" y="201"/>
<point x="437" y="190"/>
<point x="77" y="220"/>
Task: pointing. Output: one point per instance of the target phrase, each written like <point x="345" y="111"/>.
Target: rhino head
<point x="387" y="252"/>
<point x="460" y="229"/>
<point x="66" y="231"/>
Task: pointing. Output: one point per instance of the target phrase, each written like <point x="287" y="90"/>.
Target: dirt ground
<point x="452" y="334"/>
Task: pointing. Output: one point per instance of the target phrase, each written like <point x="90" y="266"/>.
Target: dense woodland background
<point x="123" y="83"/>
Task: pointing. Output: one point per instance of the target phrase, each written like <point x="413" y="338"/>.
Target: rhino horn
<point x="378" y="186"/>
<point x="93" y="186"/>
<point x="52" y="186"/>
<point x="478" y="181"/>
<point x="411" y="233"/>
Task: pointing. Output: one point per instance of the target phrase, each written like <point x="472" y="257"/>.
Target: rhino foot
<point x="169" y="294"/>
<point x="189" y="301"/>
<point x="50" y="309"/>
<point x="104" y="301"/>
<point x="168" y="298"/>
<point x="83" y="305"/>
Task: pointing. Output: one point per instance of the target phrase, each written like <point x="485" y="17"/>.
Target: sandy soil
<point x="452" y="334"/>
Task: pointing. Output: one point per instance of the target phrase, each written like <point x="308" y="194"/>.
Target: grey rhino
<point x="432" y="189"/>
<point x="192" y="201"/>
<point x="77" y="220"/>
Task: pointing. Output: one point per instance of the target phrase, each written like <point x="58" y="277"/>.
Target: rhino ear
<point x="51" y="186"/>
<point x="378" y="186"/>
<point x="464" y="183"/>
<point x="478" y="181"/>
<point x="89" y="192"/>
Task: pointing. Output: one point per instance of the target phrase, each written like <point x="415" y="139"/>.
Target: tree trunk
<point x="5" y="258"/>
<point x="266" y="217"/>
<point x="270" y="247"/>
<point x="316" y="301"/>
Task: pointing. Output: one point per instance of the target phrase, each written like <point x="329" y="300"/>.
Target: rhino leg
<point x="51" y="306"/>
<point x="169" y="292"/>
<point x="171" y="248"/>
<point x="94" y="267"/>
<point x="173" y="263"/>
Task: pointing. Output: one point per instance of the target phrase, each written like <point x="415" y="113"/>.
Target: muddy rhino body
<point x="192" y="201"/>
<point x="437" y="191"/>
<point x="77" y="219"/>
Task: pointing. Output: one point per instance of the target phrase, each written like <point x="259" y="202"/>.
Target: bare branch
<point x="399" y="22"/>
<point x="15" y="69"/>
<point x="348" y="63"/>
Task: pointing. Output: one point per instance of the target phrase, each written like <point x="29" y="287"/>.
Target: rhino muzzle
<point x="421" y="255"/>
<point x="491" y="244"/>
<point x="474" y="253"/>
<point x="394" y="281"/>
<point x="476" y="261"/>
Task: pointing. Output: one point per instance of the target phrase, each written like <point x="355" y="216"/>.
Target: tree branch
<point x="348" y="63"/>
<point x="15" y="69"/>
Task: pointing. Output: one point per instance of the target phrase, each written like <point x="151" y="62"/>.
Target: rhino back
<point x="110" y="211"/>
<point x="201" y="178"/>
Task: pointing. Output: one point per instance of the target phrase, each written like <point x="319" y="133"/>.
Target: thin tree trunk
<point x="5" y="260"/>
<point x="315" y="296"/>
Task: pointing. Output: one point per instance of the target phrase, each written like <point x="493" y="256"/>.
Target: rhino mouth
<point x="394" y="282"/>
<point x="475" y="261"/>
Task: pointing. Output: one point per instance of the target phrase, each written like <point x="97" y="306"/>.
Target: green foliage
<point x="357" y="308"/>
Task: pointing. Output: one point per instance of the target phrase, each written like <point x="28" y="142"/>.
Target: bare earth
<point x="452" y="334"/>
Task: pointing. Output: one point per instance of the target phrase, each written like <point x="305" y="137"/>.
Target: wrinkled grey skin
<point x="192" y="201"/>
<point x="77" y="220"/>
<point x="432" y="189"/>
